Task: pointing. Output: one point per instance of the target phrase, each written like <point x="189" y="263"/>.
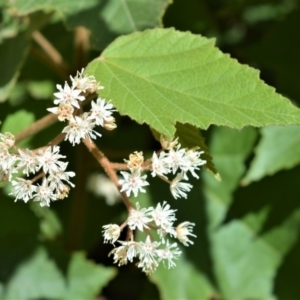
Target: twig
<point x="82" y="46"/>
<point x="36" y="127"/>
<point x="105" y="163"/>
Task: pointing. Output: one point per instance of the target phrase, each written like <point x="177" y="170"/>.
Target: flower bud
<point x="111" y="233"/>
<point x="8" y="139"/>
<point x="167" y="143"/>
<point x="183" y="230"/>
<point x="110" y="124"/>
<point x="135" y="161"/>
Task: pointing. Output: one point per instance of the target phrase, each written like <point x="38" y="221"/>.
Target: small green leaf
<point x="86" y="279"/>
<point x="36" y="278"/>
<point x="279" y="148"/>
<point x="182" y="282"/>
<point x="163" y="76"/>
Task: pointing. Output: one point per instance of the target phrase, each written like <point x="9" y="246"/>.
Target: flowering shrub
<point x="99" y="101"/>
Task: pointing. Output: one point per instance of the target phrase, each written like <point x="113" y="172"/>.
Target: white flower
<point x="64" y="111"/>
<point x="169" y="253"/>
<point x="139" y="218"/>
<point x="111" y="233"/>
<point x="44" y="193"/>
<point x="162" y="215"/>
<point x="133" y="249"/>
<point x="68" y="94"/>
<point x="183" y="230"/>
<point x="6" y="160"/>
<point x="148" y="256"/>
<point x="133" y="182"/>
<point x="175" y="158"/>
<point x="49" y="159"/>
<point x="159" y="164"/>
<point x="85" y="83"/>
<point x="120" y="254"/>
<point x="28" y="160"/>
<point x="127" y="251"/>
<point x="192" y="162"/>
<point x="178" y="188"/>
<point x="80" y="128"/>
<point x="101" y="111"/>
<point x="56" y="178"/>
<point x="22" y="189"/>
<point x="74" y="132"/>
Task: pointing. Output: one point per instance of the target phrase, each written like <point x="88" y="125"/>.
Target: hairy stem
<point x="106" y="165"/>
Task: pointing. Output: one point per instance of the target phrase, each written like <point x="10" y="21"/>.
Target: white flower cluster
<point x="68" y="100"/>
<point x="149" y="253"/>
<point x="172" y="160"/>
<point x="55" y="182"/>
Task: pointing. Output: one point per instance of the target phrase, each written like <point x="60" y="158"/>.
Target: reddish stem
<point x="106" y="165"/>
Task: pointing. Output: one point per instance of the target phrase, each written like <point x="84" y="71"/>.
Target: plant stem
<point x="106" y="165"/>
<point x="82" y="46"/>
<point x="36" y="127"/>
<point x="54" y="56"/>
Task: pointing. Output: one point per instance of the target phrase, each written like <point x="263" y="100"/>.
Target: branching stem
<point x="106" y="165"/>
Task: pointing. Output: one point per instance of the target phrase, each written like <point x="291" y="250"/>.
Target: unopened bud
<point x="135" y="160"/>
<point x="183" y="230"/>
<point x="64" y="192"/>
<point x="167" y="143"/>
<point x="64" y="111"/>
<point x="110" y="124"/>
<point x="8" y="139"/>
<point x="111" y="233"/>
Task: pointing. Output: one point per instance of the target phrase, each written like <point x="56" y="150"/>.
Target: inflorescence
<point x="41" y="175"/>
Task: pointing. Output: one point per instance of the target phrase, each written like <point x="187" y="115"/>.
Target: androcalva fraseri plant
<point x="104" y="105"/>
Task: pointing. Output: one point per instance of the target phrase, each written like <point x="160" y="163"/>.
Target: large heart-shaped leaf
<point x="163" y="76"/>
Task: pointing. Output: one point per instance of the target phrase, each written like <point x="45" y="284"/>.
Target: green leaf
<point x="229" y="149"/>
<point x="41" y="89"/>
<point x="12" y="54"/>
<point x="182" y="282"/>
<point x="246" y="264"/>
<point x="279" y="148"/>
<point x="86" y="279"/>
<point x="105" y="19"/>
<point x="163" y="76"/>
<point x="36" y="278"/>
<point x="67" y="7"/>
